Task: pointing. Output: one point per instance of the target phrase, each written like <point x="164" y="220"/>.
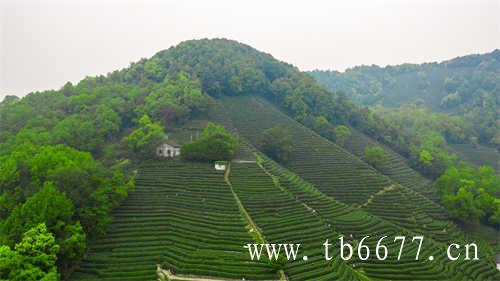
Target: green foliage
<point x="59" y="187"/>
<point x="33" y="259"/>
<point x="423" y="136"/>
<point x="78" y="132"/>
<point x="464" y="86"/>
<point x="214" y="143"/>
<point x="450" y="100"/>
<point x="9" y="99"/>
<point x="92" y="189"/>
<point x="55" y="210"/>
<point x="425" y="157"/>
<point x="144" y="140"/>
<point x="14" y="115"/>
<point x="341" y="133"/>
<point x="323" y="127"/>
<point x="471" y="194"/>
<point x="226" y="67"/>
<point x="174" y="100"/>
<point x="432" y="154"/>
<point x="47" y="205"/>
<point x="375" y="155"/>
<point x="276" y="142"/>
<point x="171" y="87"/>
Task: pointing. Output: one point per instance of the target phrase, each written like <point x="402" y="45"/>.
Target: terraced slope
<point x="310" y="152"/>
<point x="395" y="166"/>
<point x="340" y="174"/>
<point x="398" y="170"/>
<point x="282" y="219"/>
<point x="478" y="155"/>
<point x="352" y="222"/>
<point x="182" y="216"/>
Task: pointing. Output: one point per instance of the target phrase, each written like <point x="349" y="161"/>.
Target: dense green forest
<point x="459" y="85"/>
<point x="68" y="157"/>
<point x="463" y="91"/>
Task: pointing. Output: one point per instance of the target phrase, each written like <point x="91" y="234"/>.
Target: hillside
<point x="79" y="167"/>
<point x="281" y="205"/>
<point x="272" y="206"/>
<point x="335" y="171"/>
<point x="457" y="85"/>
<point x="181" y="216"/>
<point x="467" y="88"/>
<point x="478" y="154"/>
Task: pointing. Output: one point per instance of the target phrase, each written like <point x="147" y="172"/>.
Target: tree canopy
<point x="341" y="133"/>
<point x="144" y="140"/>
<point x="471" y="194"/>
<point x="63" y="188"/>
<point x="33" y="258"/>
<point x="276" y="142"/>
<point x="465" y="89"/>
<point x="375" y="155"/>
<point x="214" y="143"/>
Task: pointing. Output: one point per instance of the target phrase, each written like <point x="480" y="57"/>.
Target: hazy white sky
<point x="43" y="44"/>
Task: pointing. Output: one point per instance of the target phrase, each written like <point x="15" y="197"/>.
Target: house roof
<point x="172" y="143"/>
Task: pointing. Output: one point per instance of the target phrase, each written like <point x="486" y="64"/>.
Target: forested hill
<point x="171" y="87"/>
<point x="67" y="155"/>
<point x="463" y="91"/>
<point x="455" y="85"/>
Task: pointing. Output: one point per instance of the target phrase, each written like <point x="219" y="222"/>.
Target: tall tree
<point x="276" y="142"/>
<point x="214" y="143"/>
<point x="33" y="259"/>
<point x="145" y="139"/>
<point x="341" y="133"/>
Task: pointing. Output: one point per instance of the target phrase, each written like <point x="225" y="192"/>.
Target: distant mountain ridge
<point x="444" y="86"/>
<point x="467" y="86"/>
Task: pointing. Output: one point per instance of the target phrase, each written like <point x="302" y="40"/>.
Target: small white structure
<point x="220" y="165"/>
<point x="168" y="149"/>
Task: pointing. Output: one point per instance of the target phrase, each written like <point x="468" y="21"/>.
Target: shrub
<point x="276" y="142"/>
<point x="214" y="143"/>
<point x="471" y="194"/>
<point x="144" y="140"/>
<point x="375" y="155"/>
<point x="341" y="133"/>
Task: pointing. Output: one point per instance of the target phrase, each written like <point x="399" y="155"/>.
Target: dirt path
<point x="244" y="161"/>
<point x="169" y="276"/>
<point x="242" y="208"/>
<point x="378" y="193"/>
<point x="257" y="230"/>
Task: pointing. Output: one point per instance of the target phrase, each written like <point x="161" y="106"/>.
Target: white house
<point x="168" y="149"/>
<point x="220" y="165"/>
